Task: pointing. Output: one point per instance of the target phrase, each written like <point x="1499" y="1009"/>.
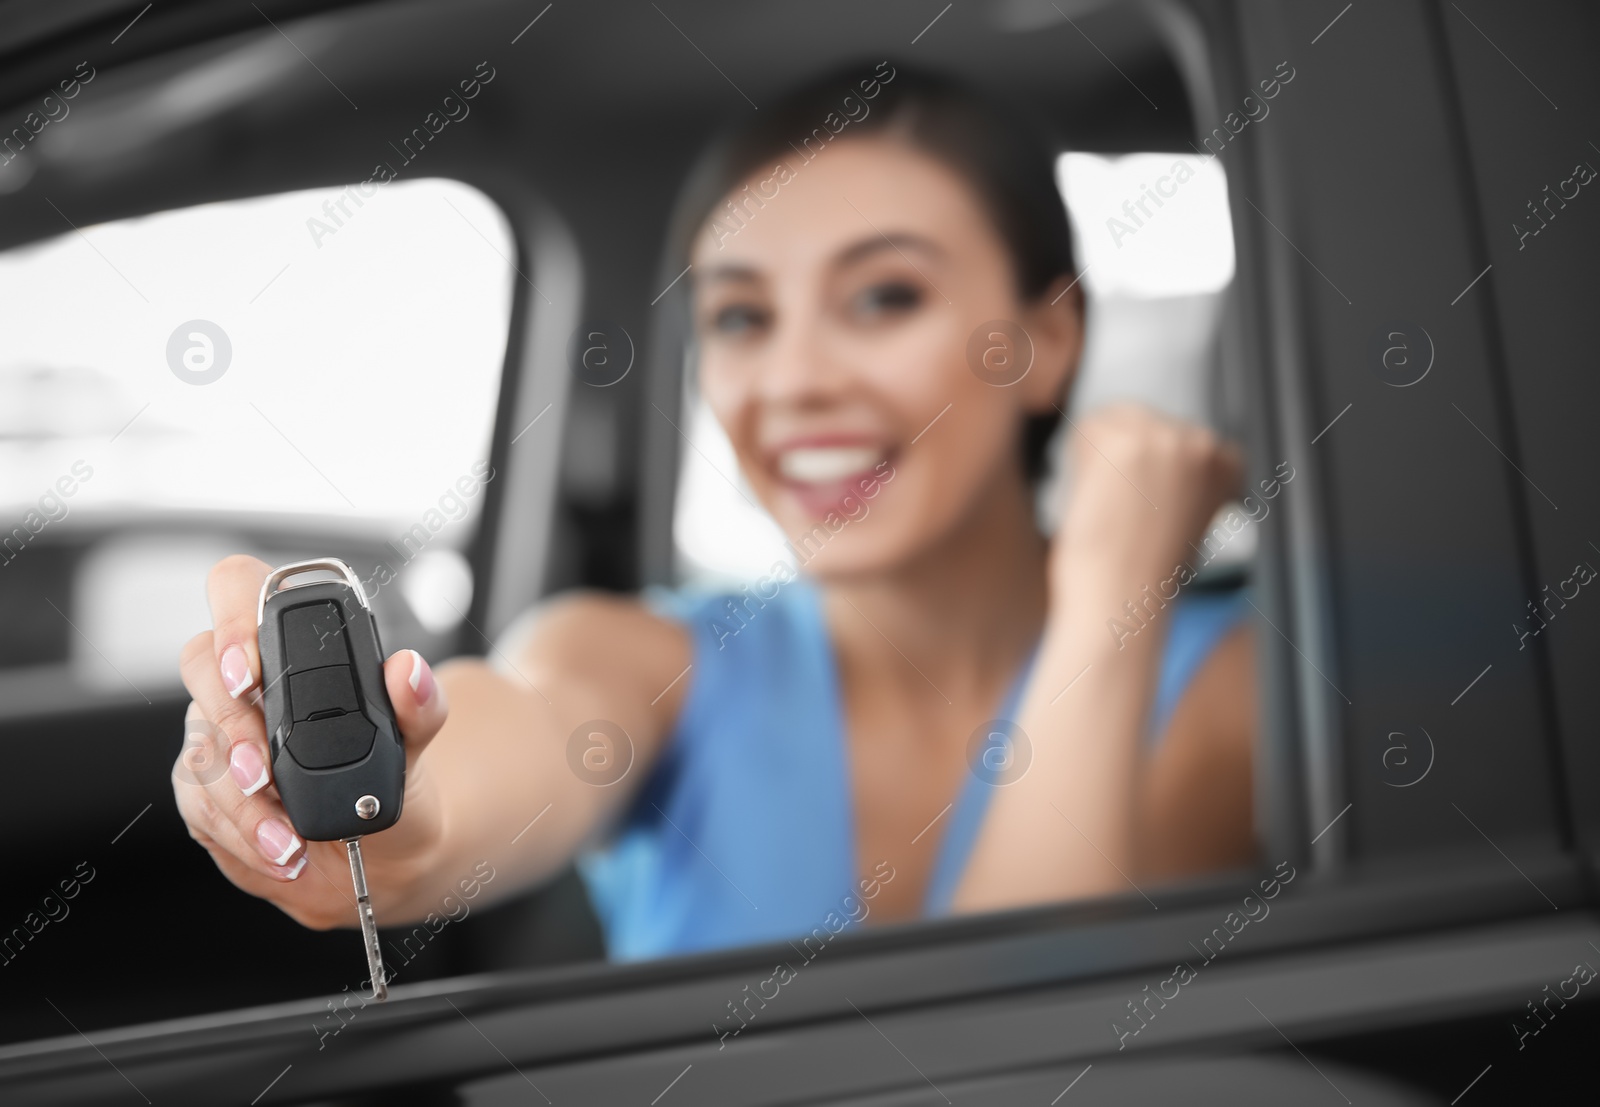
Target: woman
<point x="945" y="710"/>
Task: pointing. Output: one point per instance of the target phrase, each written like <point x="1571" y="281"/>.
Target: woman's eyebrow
<point x="898" y="241"/>
<point x="732" y="271"/>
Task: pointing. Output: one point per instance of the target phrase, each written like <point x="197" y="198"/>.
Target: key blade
<point x="369" y="925"/>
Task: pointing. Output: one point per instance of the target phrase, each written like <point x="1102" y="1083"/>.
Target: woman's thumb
<point x="419" y="701"/>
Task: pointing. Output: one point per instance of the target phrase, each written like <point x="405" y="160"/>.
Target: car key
<point x="338" y="759"/>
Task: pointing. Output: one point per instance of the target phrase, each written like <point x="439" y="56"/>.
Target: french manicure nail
<point x="293" y="871"/>
<point x="277" y="841"/>
<point x="236" y="673"/>
<point x="248" y="767"/>
<point x="421" y="678"/>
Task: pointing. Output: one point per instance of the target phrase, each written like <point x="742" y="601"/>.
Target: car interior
<point x="409" y="318"/>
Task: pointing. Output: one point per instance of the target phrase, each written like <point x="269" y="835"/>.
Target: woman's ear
<point x="1054" y="321"/>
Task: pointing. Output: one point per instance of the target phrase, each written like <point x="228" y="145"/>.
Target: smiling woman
<point x="933" y="690"/>
<point x="832" y="341"/>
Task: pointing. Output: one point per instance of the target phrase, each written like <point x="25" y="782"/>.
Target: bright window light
<point x="721" y="534"/>
<point x="1149" y="225"/>
<point x="364" y="338"/>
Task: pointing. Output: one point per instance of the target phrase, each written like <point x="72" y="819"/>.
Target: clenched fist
<point x="1144" y="486"/>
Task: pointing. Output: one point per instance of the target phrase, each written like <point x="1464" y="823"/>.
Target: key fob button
<point x="329" y="743"/>
<point x="328" y="690"/>
<point x="314" y="636"/>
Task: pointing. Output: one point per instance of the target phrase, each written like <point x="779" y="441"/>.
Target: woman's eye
<point x="891" y="297"/>
<point x="737" y="319"/>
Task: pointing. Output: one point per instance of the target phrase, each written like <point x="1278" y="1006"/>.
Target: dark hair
<point x="1004" y="153"/>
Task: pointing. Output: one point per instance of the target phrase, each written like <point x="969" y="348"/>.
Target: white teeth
<point x="819" y="464"/>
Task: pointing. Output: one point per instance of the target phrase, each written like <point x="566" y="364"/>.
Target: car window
<point x="337" y="352"/>
<point x="316" y="372"/>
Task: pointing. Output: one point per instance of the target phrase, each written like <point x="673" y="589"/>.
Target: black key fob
<point x="337" y="756"/>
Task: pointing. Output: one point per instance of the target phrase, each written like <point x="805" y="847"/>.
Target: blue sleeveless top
<point x="744" y="831"/>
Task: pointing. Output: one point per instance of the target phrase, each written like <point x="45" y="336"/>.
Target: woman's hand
<point x="1144" y="487"/>
<point x="223" y="785"/>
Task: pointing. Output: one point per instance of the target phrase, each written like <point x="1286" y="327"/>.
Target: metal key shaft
<point x="369" y="925"/>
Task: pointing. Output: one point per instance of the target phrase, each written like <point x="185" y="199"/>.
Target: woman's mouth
<point x="826" y="464"/>
<point x="824" y="478"/>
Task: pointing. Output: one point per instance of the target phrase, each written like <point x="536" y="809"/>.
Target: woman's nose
<point x="800" y="368"/>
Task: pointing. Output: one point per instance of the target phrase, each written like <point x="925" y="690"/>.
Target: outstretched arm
<point x="488" y="777"/>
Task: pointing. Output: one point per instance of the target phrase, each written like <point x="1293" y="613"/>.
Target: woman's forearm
<point x="494" y="766"/>
<point x="1065" y="829"/>
<point x="501" y="770"/>
<point x="1144" y="487"/>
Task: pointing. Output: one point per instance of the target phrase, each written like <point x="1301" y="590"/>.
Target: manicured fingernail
<point x="248" y="767"/>
<point x="421" y="677"/>
<point x="277" y="841"/>
<point x="236" y="673"/>
<point x="293" y="871"/>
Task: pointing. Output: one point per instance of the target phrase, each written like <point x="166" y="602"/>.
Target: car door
<point x="1421" y="893"/>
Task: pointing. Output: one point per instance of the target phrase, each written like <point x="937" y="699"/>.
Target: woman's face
<point x="834" y="325"/>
